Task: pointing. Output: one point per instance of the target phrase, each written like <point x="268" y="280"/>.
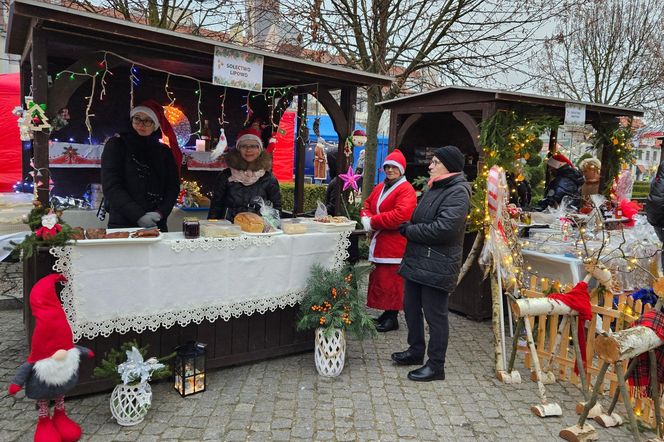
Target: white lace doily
<point x="211" y="312"/>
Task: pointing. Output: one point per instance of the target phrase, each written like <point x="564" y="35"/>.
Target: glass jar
<point x="191" y="228"/>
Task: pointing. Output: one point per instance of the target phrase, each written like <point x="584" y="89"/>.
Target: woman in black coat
<point x="247" y="178"/>
<point x="431" y="262"/>
<point x="139" y="175"/>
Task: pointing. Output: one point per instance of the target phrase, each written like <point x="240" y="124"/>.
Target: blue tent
<point x="328" y="133"/>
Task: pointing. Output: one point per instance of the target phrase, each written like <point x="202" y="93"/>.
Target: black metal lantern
<point x="189" y="368"/>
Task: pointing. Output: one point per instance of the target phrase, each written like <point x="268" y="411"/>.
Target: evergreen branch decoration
<point x="26" y="248"/>
<point x="331" y="301"/>
<point x="108" y="368"/>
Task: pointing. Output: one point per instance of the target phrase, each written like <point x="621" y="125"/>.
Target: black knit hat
<point x="451" y="157"/>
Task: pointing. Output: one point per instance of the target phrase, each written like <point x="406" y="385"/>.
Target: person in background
<point x="333" y="190"/>
<point x="567" y="181"/>
<point x="139" y="174"/>
<point x="390" y="204"/>
<point x="520" y="191"/>
<point x="654" y="206"/>
<point x="248" y="177"/>
<point x="432" y="261"/>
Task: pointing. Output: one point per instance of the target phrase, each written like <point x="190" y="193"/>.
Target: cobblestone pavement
<point x="11" y="285"/>
<point x="285" y="399"/>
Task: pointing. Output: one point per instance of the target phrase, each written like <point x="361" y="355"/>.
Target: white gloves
<point x="366" y="223"/>
<point x="150" y="219"/>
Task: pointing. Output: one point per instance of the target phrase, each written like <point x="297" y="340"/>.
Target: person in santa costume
<point x="567" y="181"/>
<point x="51" y="369"/>
<point x="390" y="204"/>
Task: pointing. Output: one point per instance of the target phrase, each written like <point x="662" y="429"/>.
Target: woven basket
<point x="130" y="403"/>
<point x="330" y="353"/>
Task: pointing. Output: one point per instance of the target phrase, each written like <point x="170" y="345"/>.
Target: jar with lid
<point x="191" y="228"/>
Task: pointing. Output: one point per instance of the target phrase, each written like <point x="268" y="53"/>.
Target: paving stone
<point x="285" y="399"/>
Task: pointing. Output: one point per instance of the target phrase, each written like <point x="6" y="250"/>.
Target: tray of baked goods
<point x="89" y="237"/>
<point x="334" y="223"/>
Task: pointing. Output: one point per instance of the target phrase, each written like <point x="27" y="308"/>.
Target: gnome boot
<point x="69" y="430"/>
<point x="46" y="431"/>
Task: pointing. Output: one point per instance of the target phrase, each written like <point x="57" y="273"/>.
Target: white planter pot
<point x="130" y="403"/>
<point x="330" y="353"/>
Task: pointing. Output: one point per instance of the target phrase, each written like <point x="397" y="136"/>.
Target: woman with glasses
<point x="247" y="179"/>
<point x="390" y="204"/>
<point x="139" y="174"/>
<point x="431" y="262"/>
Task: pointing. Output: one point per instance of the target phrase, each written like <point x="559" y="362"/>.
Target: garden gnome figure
<point x="51" y="369"/>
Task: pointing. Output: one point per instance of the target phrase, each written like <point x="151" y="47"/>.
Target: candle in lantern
<point x="200" y="145"/>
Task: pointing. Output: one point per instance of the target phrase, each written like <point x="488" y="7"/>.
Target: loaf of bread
<point x="115" y="235"/>
<point x="77" y="233"/>
<point x="294" y="228"/>
<point x="249" y="222"/>
<point x="95" y="233"/>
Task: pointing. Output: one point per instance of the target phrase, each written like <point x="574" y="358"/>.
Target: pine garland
<point x="26" y="249"/>
<point x="331" y="301"/>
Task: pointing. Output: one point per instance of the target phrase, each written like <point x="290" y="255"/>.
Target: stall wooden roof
<point x="73" y="31"/>
<point x="459" y="95"/>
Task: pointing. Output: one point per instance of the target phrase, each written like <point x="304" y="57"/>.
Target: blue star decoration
<point x="350" y="179"/>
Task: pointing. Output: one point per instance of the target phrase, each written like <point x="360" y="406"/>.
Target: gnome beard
<point x="59" y="369"/>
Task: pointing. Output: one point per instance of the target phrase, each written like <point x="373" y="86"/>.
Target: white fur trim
<point x="395" y="164"/>
<point x="52" y="372"/>
<point x="386" y="260"/>
<point x="251" y="137"/>
<point x="555" y="163"/>
<point x="147" y="111"/>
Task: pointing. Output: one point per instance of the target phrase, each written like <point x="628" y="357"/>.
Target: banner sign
<point x="575" y="114"/>
<point x="237" y="69"/>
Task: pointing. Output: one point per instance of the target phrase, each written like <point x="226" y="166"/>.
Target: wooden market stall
<point x="96" y="68"/>
<point x="422" y="122"/>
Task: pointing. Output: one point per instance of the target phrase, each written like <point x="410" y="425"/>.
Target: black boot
<point x="381" y="318"/>
<point x="389" y="322"/>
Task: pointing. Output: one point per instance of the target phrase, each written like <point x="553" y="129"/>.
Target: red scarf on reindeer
<point x="578" y="299"/>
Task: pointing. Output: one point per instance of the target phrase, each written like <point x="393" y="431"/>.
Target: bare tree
<point x="460" y="41"/>
<point x="607" y="51"/>
<point x="195" y="16"/>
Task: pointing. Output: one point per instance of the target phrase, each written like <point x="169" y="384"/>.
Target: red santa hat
<point x="558" y="160"/>
<point x="52" y="331"/>
<point x="155" y="111"/>
<point x="249" y="134"/>
<point x="397" y="160"/>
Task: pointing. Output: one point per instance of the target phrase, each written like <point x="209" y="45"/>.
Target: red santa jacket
<point x="387" y="210"/>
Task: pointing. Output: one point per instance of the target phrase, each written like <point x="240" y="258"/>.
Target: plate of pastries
<point x="93" y="236"/>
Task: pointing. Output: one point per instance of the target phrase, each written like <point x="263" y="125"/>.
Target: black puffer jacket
<point x="230" y="198"/>
<point x="567" y="182"/>
<point x="655" y="201"/>
<point x="435" y="235"/>
<point x="138" y="175"/>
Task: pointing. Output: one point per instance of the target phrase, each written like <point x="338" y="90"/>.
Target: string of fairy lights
<point x="277" y="98"/>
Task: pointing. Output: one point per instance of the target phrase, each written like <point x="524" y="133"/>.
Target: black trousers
<point x="432" y="302"/>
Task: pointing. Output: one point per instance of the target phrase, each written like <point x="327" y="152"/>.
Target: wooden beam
<point x="471" y="126"/>
<point x="27" y="47"/>
<point x="300" y="151"/>
<point x="334" y="110"/>
<point x="39" y="64"/>
<point x="405" y="127"/>
<point x="347" y="106"/>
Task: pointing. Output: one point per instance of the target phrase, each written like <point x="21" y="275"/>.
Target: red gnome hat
<point x="558" y="160"/>
<point x="397" y="160"/>
<point x="52" y="331"/>
<point x="166" y="129"/>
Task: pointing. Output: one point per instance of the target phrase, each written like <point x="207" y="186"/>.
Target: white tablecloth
<point x="122" y="287"/>
<point x="566" y="270"/>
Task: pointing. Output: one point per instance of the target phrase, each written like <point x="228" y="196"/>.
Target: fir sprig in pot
<point x="332" y="306"/>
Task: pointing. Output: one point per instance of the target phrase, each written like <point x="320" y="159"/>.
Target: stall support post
<point x="300" y="151"/>
<point x="39" y="65"/>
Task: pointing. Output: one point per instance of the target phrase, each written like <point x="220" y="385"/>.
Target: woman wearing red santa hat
<point x="140" y="176"/>
<point x="51" y="369"/>
<point x="567" y="181"/>
<point x="247" y="178"/>
<point x="390" y="204"/>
